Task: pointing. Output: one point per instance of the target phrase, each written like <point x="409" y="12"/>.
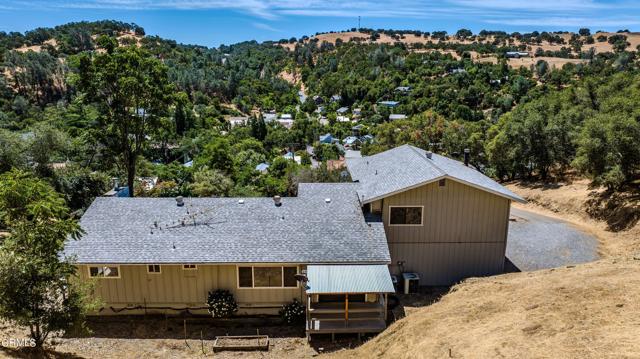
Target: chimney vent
<point x="179" y="201"/>
<point x="429" y="154"/>
<point x="466" y="156"/>
<point x="241" y="201"/>
<point x="327" y="200"/>
<point x="277" y="201"/>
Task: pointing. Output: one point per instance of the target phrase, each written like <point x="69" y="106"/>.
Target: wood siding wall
<point x="464" y="233"/>
<point x="175" y="287"/>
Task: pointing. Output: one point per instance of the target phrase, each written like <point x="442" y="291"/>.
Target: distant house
<point x="188" y="164"/>
<point x="367" y="138"/>
<point x="397" y="116"/>
<point x="318" y="100"/>
<point x="269" y="116"/>
<point x="262" y="167"/>
<point x="323" y="121"/>
<point x="238" y="121"/>
<point x="286" y="120"/>
<point x="357" y="112"/>
<point x="458" y="70"/>
<point x="355" y="130"/>
<point x="516" y="54"/>
<point x="327" y="138"/>
<point x="342" y="110"/>
<point x="343" y="119"/>
<point x="389" y="103"/>
<point x="403" y="89"/>
<point x="336" y="98"/>
<point x="351" y="142"/>
<point x="292" y="156"/>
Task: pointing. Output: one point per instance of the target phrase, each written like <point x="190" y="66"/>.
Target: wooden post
<point x="385" y="307"/>
<point x="346" y="308"/>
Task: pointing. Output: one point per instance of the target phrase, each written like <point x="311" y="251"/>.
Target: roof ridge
<point x="415" y="149"/>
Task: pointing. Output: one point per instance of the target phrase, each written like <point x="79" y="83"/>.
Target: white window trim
<point x="266" y="266"/>
<point x="195" y="267"/>
<point x="407" y="225"/>
<point x="103" y="277"/>
<point x="159" y="266"/>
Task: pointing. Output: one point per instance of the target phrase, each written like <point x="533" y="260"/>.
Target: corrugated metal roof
<point x="358" y="278"/>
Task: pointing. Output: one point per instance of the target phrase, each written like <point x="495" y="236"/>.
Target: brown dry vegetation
<point x="589" y="311"/>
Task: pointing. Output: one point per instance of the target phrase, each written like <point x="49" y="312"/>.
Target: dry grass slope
<point x="590" y="311"/>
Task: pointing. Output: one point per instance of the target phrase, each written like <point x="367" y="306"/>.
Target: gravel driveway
<point x="536" y="242"/>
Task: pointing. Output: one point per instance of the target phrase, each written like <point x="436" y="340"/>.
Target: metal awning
<point x="356" y="278"/>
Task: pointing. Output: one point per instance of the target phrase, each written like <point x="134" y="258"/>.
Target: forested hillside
<point x="83" y="104"/>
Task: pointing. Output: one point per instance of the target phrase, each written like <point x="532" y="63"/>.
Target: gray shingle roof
<point x="407" y="167"/>
<point x="305" y="229"/>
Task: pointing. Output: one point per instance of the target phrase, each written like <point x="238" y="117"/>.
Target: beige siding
<point x="463" y="234"/>
<point x="178" y="288"/>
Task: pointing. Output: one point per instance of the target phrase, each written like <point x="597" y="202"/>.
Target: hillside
<point x="583" y="311"/>
<point x="588" y="311"/>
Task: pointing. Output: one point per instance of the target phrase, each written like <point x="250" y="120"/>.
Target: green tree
<point x="39" y="289"/>
<point x="132" y="91"/>
<point x="211" y="183"/>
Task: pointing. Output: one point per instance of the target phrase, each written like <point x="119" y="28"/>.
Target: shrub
<point x="221" y="303"/>
<point x="293" y="312"/>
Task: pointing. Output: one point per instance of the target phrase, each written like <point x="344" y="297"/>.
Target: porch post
<point x="346" y="308"/>
<point x="385" y="306"/>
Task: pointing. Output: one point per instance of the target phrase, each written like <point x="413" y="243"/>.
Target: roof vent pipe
<point x="429" y="154"/>
<point x="277" y="201"/>
<point x="466" y="156"/>
<point x="179" y="201"/>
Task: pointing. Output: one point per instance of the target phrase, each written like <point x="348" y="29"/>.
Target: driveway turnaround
<point x="537" y="242"/>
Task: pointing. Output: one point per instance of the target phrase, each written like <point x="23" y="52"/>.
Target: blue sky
<point x="215" y="22"/>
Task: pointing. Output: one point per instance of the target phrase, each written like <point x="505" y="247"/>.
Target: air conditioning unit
<point x="411" y="282"/>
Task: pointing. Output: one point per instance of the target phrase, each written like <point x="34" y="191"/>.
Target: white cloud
<point x="263" y="26"/>
<point x="563" y="22"/>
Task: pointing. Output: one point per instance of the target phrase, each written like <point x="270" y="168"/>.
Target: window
<point x="442" y="182"/>
<point x="153" y="268"/>
<point x="405" y="216"/>
<point x="245" y="277"/>
<point x="189" y="267"/>
<point x="104" y="272"/>
<point x="267" y="277"/>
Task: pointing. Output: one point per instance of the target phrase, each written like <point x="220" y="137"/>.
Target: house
<point x="288" y="123"/>
<point x="351" y="142"/>
<point x="444" y="220"/>
<point x="403" y="89"/>
<point x="269" y="116"/>
<point x="238" y="121"/>
<point x="397" y="116"/>
<point x="343" y="119"/>
<point x="390" y="104"/>
<point x="323" y="120"/>
<point x="335" y="98"/>
<point x="516" y="54"/>
<point x="318" y="100"/>
<point x="342" y="110"/>
<point x="357" y="112"/>
<point x="262" y="167"/>
<point x="333" y="247"/>
<point x="292" y="156"/>
<point x="327" y="138"/>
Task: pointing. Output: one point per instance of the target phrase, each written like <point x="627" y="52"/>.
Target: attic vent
<point x="180" y="201"/>
<point x="429" y="154"/>
<point x="277" y="201"/>
<point x="241" y="201"/>
<point x="327" y="200"/>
